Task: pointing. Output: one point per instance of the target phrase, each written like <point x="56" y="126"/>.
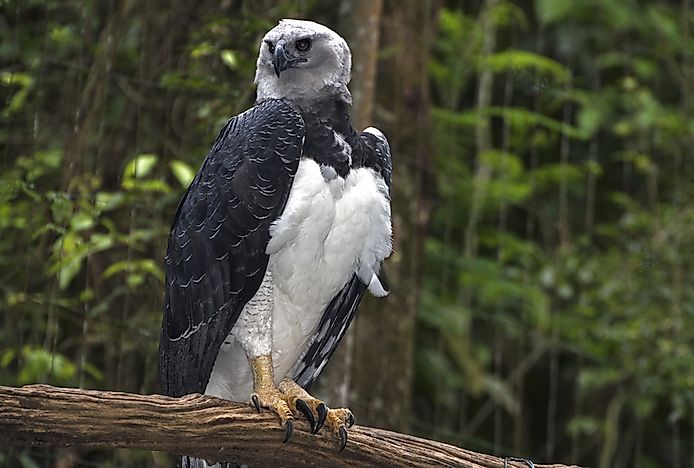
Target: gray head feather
<point x="306" y="75"/>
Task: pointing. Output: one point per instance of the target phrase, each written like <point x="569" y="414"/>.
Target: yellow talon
<point x="289" y="399"/>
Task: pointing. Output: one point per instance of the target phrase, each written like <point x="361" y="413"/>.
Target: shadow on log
<point x="206" y="427"/>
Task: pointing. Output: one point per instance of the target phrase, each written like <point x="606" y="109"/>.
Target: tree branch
<point x="205" y="427"/>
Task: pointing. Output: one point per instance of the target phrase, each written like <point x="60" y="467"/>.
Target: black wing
<point x="376" y="154"/>
<point x="371" y="150"/>
<point x="216" y="257"/>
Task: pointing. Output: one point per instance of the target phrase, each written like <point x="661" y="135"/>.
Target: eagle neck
<point x="330" y="137"/>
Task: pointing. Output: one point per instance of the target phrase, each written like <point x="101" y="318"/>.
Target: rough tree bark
<point x="205" y="427"/>
<point x="361" y="21"/>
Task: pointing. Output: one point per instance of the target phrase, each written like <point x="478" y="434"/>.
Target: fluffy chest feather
<point x="330" y="229"/>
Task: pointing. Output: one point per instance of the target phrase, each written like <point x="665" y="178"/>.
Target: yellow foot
<point x="301" y="402"/>
<point x="316" y="412"/>
<point x="339" y="420"/>
<point x="288" y="399"/>
<point x="266" y="395"/>
<point x="274" y="400"/>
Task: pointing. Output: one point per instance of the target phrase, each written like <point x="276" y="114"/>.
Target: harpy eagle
<point x="284" y="227"/>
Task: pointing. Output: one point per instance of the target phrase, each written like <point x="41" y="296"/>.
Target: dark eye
<point x="302" y="45"/>
<point x="270" y="47"/>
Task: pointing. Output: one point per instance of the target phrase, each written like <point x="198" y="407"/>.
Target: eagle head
<point x="302" y="60"/>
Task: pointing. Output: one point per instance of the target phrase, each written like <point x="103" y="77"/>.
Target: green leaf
<point x="146" y="265"/>
<point x="582" y="425"/>
<point x="183" y="172"/>
<point x="551" y="11"/>
<point x="140" y="167"/>
<point x="597" y="378"/>
<point x="93" y="371"/>
<point x="63" y="35"/>
<point x="147" y="185"/>
<point x="134" y="280"/>
<point x="644" y="406"/>
<point x="229" y="59"/>
<point x="87" y="295"/>
<point x="68" y="270"/>
<point x="117" y="267"/>
<point x="81" y="221"/>
<point x="50" y="158"/>
<point x="24" y="82"/>
<point x="106" y="201"/>
<point x="99" y="242"/>
<point x="6" y="357"/>
<point x="40" y="365"/>
<point x="518" y="117"/>
<point x="70" y="252"/>
<point x="589" y="120"/>
<point x="553" y="174"/>
<point x="500" y="392"/>
<point x="516" y="60"/>
<point x="203" y="49"/>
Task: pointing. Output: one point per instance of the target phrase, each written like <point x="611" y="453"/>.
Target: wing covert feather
<point x="331" y="329"/>
<point x="216" y="257"/>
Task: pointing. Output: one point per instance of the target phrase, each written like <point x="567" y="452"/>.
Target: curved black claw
<point x="518" y="459"/>
<point x="306" y="411"/>
<point x="256" y="402"/>
<point x="343" y="438"/>
<point x="288" y="430"/>
<point x="350" y="419"/>
<point x="322" y="414"/>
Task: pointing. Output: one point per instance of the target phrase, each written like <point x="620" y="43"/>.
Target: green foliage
<point x="21" y="80"/>
<point x="39" y="363"/>
<point x="457" y="47"/>
<point x="551" y="11"/>
<point x="183" y="173"/>
<point x="569" y="234"/>
<point x="520" y="61"/>
<point x="593" y="120"/>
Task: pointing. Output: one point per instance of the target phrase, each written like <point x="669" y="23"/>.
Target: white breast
<point x="328" y="231"/>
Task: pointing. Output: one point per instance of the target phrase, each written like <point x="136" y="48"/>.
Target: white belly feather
<point x="329" y="230"/>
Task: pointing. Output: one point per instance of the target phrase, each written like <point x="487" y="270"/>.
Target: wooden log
<point x="206" y="427"/>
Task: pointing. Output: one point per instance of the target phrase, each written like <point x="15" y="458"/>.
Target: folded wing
<point x="216" y="256"/>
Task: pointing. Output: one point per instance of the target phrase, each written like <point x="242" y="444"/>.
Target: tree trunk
<point x="204" y="427"/>
<point x="362" y="24"/>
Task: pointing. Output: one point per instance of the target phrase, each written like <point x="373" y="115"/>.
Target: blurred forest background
<point x="543" y="207"/>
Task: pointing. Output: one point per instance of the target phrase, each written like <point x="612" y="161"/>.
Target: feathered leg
<point x="254" y="331"/>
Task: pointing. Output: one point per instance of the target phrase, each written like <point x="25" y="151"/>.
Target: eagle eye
<point x="302" y="45"/>
<point x="270" y="46"/>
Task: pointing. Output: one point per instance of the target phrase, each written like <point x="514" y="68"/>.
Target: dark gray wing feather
<point x="370" y="151"/>
<point x="376" y="155"/>
<point x="216" y="257"/>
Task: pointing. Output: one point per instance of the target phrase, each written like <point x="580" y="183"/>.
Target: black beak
<point x="280" y="61"/>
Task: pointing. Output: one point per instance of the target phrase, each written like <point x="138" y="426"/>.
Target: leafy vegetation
<point x="555" y="318"/>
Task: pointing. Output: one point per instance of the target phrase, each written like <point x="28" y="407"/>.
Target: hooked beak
<point x="280" y="61"/>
